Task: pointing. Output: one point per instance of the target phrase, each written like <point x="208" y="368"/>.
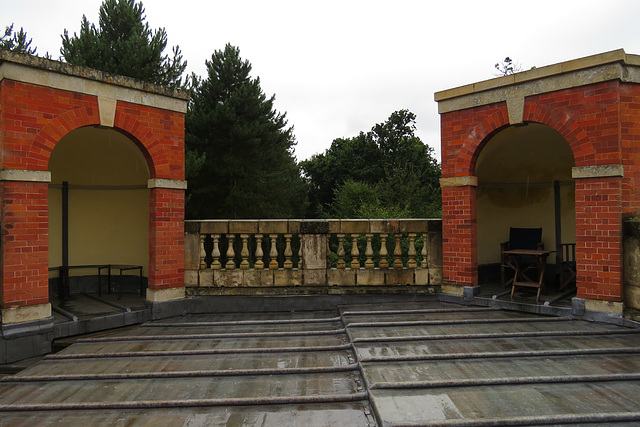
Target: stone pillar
<point x="166" y="240"/>
<point x="313" y="235"/>
<point x="459" y="233"/>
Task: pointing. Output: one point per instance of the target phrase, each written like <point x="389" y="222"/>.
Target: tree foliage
<point x="249" y="170"/>
<point x="16" y="41"/>
<point x="386" y="172"/>
<point x="123" y="44"/>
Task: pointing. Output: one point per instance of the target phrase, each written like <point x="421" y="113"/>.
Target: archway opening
<point x="99" y="178"/>
<point x="524" y="181"/>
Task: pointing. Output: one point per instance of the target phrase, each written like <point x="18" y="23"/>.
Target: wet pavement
<point x="428" y="363"/>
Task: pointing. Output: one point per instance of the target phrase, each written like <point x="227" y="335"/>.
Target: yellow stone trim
<point x="162" y="295"/>
<point x="604" y="306"/>
<point x="25" y="175"/>
<point x="601" y="171"/>
<point x="107" y="107"/>
<point x="456" y="290"/>
<point x="25" y="313"/>
<point x="459" y="181"/>
<point x="171" y="184"/>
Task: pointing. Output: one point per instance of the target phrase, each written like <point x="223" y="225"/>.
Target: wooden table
<point x="520" y="278"/>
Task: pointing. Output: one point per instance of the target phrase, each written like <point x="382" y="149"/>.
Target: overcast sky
<point x="339" y="67"/>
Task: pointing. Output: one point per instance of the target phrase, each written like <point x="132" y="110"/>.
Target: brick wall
<point x="166" y="239"/>
<point x="33" y="119"/>
<point x="600" y="123"/>
<point x="459" y="239"/>
<point x="25" y="244"/>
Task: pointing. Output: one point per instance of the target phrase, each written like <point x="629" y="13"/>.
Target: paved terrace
<point x="413" y="363"/>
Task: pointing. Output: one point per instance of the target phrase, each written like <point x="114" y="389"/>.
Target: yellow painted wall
<point x="515" y="171"/>
<point x="108" y="200"/>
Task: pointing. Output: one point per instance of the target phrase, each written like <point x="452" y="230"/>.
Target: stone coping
<point x="613" y="65"/>
<point x="60" y="75"/>
<point x="308" y="226"/>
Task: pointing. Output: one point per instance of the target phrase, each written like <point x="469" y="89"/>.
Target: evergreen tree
<point x="124" y="44"/>
<point x="249" y="169"/>
<point x="387" y="171"/>
<point x="16" y="42"/>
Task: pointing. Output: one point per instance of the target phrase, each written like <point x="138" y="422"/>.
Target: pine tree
<point x="16" y="41"/>
<point x="249" y="170"/>
<point x="124" y="44"/>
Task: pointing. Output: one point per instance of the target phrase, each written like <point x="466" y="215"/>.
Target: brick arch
<point x="572" y="131"/>
<point x="40" y="151"/>
<point x="478" y="138"/>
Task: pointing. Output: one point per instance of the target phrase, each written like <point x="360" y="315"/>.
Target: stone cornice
<point x="59" y="75"/>
<point x="614" y="65"/>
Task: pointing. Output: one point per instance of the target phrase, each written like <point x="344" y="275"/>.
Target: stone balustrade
<point x="312" y="256"/>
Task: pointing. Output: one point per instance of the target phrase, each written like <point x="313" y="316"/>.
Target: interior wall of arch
<point x="108" y="199"/>
<point x="516" y="171"/>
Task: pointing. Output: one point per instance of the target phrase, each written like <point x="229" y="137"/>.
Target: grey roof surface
<point x="428" y="363"/>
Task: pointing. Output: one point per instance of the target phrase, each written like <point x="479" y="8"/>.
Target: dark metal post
<point x="558" y="217"/>
<point x="65" y="240"/>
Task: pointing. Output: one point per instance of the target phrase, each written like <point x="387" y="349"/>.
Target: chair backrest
<point x="524" y="238"/>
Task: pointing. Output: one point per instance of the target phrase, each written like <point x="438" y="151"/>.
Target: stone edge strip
<point x="600" y="171"/>
<point x="459" y="181"/>
<point x="171" y="184"/>
<point x="25" y="313"/>
<point x="25" y="175"/>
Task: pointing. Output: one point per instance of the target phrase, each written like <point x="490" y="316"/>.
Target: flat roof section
<point x="411" y="363"/>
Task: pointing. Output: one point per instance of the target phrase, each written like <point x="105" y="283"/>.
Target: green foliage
<point x="250" y="170"/>
<point x="16" y="42"/>
<point x="124" y="44"/>
<point x="385" y="173"/>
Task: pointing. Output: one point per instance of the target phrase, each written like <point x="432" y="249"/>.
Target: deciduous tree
<point x="387" y="171"/>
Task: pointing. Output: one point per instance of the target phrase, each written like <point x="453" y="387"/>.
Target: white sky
<point x="339" y="67"/>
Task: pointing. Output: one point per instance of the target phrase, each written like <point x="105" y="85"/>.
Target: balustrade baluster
<point x="244" y="253"/>
<point x="273" y="254"/>
<point x="369" y="264"/>
<point x="340" y="252"/>
<point x="215" y="253"/>
<point x="423" y="263"/>
<point x="355" y="253"/>
<point x="397" y="252"/>
<point x="203" y="253"/>
<point x="231" y="264"/>
<point x="412" y="251"/>
<point x="384" y="262"/>
<point x="259" y="264"/>
<point x="288" y="253"/>
<point x="299" y="251"/>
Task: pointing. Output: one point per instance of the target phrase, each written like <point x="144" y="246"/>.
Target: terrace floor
<point x="411" y="363"/>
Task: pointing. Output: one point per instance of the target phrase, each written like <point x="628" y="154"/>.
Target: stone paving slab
<point x="363" y="365"/>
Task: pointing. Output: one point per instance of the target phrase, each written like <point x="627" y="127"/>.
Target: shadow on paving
<point x="427" y="363"/>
